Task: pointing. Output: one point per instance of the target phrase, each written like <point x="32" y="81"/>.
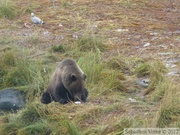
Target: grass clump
<point x="51" y="58"/>
<point x="29" y="8"/>
<point x="154" y="70"/>
<point x="72" y="129"/>
<point x="126" y="65"/>
<point x="100" y="75"/>
<point x="119" y="63"/>
<point x="32" y="113"/>
<point x="149" y="67"/>
<point x="92" y="65"/>
<point x="19" y="71"/>
<point x="158" y="94"/>
<point x="58" y="48"/>
<point x="113" y="79"/>
<point x="166" y="115"/>
<point x="9" y="58"/>
<point x="93" y="114"/>
<point x="7" y="9"/>
<point x="16" y="77"/>
<point x="118" y="127"/>
<point x="90" y="42"/>
<point x="38" y="119"/>
<point x="34" y="40"/>
<point x="38" y="128"/>
<point x="5" y="41"/>
<point x="27" y="121"/>
<point x="169" y="111"/>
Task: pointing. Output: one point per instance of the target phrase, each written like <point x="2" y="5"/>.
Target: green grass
<point x="58" y="48"/>
<point x="4" y="41"/>
<point x="72" y="129"/>
<point x="90" y="43"/>
<point x="28" y="121"/>
<point x="154" y="70"/>
<point x="118" y="128"/>
<point x="19" y="71"/>
<point x="169" y="110"/>
<point x="107" y="80"/>
<point x="7" y="9"/>
<point x="120" y="63"/>
<point x="37" y="128"/>
<point x="34" y="40"/>
<point x="92" y="65"/>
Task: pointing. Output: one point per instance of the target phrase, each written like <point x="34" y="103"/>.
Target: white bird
<point x="36" y="20"/>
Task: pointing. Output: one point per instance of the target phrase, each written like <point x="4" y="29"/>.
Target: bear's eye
<point x="73" y="77"/>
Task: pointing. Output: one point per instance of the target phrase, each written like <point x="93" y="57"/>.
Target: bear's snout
<point x="77" y="97"/>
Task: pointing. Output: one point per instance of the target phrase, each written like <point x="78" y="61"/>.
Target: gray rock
<point x="11" y="100"/>
<point x="142" y="83"/>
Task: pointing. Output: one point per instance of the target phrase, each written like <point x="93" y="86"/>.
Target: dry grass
<point x="169" y="112"/>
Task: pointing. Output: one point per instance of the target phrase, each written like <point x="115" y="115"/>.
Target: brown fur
<point x="67" y="79"/>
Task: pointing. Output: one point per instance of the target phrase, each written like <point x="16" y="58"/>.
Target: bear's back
<point x="69" y="66"/>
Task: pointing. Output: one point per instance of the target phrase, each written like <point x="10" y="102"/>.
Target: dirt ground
<point x="142" y="28"/>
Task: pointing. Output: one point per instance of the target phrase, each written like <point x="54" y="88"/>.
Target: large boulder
<point x="11" y="100"/>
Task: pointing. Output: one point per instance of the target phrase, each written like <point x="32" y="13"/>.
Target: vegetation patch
<point x="19" y="71"/>
<point x="58" y="48"/>
<point x="118" y="128"/>
<point x="7" y="9"/>
<point x="169" y="111"/>
<point x="90" y="43"/>
<point x="155" y="70"/>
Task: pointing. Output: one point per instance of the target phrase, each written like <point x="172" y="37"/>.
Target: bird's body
<point x="36" y="20"/>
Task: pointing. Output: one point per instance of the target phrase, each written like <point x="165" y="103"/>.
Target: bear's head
<point x="74" y="82"/>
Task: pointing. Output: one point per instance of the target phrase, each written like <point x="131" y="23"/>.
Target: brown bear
<point x="67" y="84"/>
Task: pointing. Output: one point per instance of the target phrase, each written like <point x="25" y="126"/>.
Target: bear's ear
<point x="73" y="77"/>
<point x="84" y="76"/>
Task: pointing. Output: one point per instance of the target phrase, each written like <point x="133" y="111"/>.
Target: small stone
<point x="143" y="83"/>
<point x="153" y="34"/>
<point x="147" y="44"/>
<point x="132" y="100"/>
<point x="60" y="25"/>
<point x="77" y="102"/>
<point x="75" y="36"/>
<point x="122" y="30"/>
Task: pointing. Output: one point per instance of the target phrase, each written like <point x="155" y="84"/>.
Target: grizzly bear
<point x="67" y="84"/>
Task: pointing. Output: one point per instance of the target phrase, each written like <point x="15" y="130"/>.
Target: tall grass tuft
<point x="118" y="127"/>
<point x="7" y="9"/>
<point x="113" y="79"/>
<point x="39" y="128"/>
<point x="169" y="111"/>
<point x="9" y="58"/>
<point x="72" y="129"/>
<point x="158" y="93"/>
<point x="20" y="72"/>
<point x="58" y="48"/>
<point x="91" y="43"/>
<point x="27" y="121"/>
<point x="155" y="70"/>
<point x="34" y="40"/>
<point x="149" y="67"/>
<point x="92" y="65"/>
<point x="119" y="63"/>
<point x="32" y="113"/>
